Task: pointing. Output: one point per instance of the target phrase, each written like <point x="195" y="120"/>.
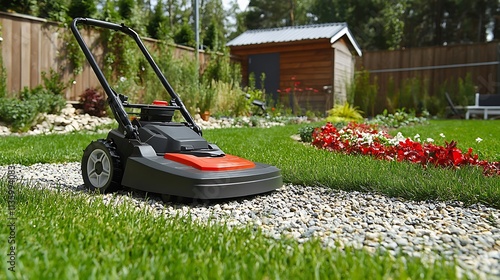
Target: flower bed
<point x="365" y="139"/>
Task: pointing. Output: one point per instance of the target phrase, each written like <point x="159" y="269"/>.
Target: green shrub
<point x="82" y="8"/>
<point x="230" y="100"/>
<point x="305" y="133"/>
<point x="220" y="68"/>
<point x="466" y="91"/>
<point x="344" y="113"/>
<point x="398" y="119"/>
<point x="45" y="101"/>
<point x="19" y="114"/>
<point x="53" y="82"/>
<point x="363" y="92"/>
<point x="185" y="36"/>
<point x="207" y="97"/>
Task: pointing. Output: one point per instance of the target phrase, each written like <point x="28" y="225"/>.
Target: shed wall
<point x="344" y="71"/>
<point x="310" y="63"/>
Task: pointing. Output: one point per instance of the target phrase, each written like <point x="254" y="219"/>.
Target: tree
<point x="212" y="22"/>
<point x="158" y="22"/>
<point x="126" y="8"/>
<point x="214" y="37"/>
<point x="82" y="8"/>
<point x="53" y="9"/>
<point x="18" y="6"/>
<point x="270" y="14"/>
<point x="375" y="24"/>
<point x="185" y="36"/>
<point x="449" y="22"/>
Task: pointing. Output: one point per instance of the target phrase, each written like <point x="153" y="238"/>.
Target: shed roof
<point x="332" y="31"/>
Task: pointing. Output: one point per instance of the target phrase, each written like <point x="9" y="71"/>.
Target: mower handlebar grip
<point x="98" y="23"/>
<point x="104" y="24"/>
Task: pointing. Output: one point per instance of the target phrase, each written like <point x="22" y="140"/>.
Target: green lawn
<point x="465" y="132"/>
<point x="60" y="235"/>
<point x="304" y="165"/>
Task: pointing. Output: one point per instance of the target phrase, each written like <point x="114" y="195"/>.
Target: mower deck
<point x="164" y="176"/>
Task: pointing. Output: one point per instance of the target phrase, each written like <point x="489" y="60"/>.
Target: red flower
<point x="351" y="140"/>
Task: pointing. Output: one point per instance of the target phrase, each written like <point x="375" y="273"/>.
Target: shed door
<point x="269" y="64"/>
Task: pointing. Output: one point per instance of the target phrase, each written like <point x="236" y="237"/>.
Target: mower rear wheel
<point x="100" y="167"/>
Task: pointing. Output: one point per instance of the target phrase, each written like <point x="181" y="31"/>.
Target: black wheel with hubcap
<point x="100" y="167"/>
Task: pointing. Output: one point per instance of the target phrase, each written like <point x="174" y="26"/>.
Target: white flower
<point x="430" y="140"/>
<point x="417" y="136"/>
<point x="400" y="136"/>
<point x="74" y="82"/>
<point x="123" y="79"/>
<point x="478" y="140"/>
<point x="442" y="135"/>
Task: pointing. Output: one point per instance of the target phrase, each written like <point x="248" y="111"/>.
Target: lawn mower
<point x="153" y="153"/>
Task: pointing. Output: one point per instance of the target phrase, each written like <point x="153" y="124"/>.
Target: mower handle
<point x="114" y="101"/>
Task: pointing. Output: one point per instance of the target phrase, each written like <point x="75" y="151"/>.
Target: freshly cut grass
<point x="465" y="132"/>
<point x="64" y="235"/>
<point x="301" y="164"/>
<point x="51" y="148"/>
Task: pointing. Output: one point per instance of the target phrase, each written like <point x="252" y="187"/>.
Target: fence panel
<point x="31" y="45"/>
<point x="436" y="67"/>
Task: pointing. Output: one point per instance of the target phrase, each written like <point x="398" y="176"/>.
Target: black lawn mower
<point x="152" y="153"/>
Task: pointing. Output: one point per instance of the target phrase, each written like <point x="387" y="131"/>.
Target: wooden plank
<point x="15" y="50"/>
<point x="282" y="47"/>
<point x="428" y="60"/>
<point x="314" y="55"/>
<point x="439" y="54"/>
<point x="7" y="54"/>
<point x="45" y="48"/>
<point x="35" y="55"/>
<point x="25" y="54"/>
<point x="305" y="64"/>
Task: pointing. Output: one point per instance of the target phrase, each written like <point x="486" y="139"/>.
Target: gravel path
<point x="362" y="220"/>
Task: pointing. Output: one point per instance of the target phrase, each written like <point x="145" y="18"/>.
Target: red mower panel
<point x="225" y="163"/>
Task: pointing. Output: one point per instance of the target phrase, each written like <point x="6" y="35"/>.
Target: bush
<point x="344" y="113"/>
<point x="94" y="103"/>
<point x="398" y="119"/>
<point x="306" y="133"/>
<point x="19" y="114"/>
<point x="45" y="101"/>
<point x="363" y="92"/>
<point x="53" y="82"/>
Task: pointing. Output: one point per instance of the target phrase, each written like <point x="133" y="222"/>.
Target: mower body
<point x="172" y="159"/>
<point x="152" y="153"/>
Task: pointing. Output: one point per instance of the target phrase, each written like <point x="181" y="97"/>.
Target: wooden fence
<point x="31" y="45"/>
<point x="436" y="66"/>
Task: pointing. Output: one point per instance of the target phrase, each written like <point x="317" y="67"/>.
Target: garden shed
<point x="315" y="63"/>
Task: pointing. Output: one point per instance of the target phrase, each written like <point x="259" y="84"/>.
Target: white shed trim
<point x="345" y="31"/>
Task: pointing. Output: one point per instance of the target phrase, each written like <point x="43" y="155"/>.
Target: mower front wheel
<point x="100" y="170"/>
